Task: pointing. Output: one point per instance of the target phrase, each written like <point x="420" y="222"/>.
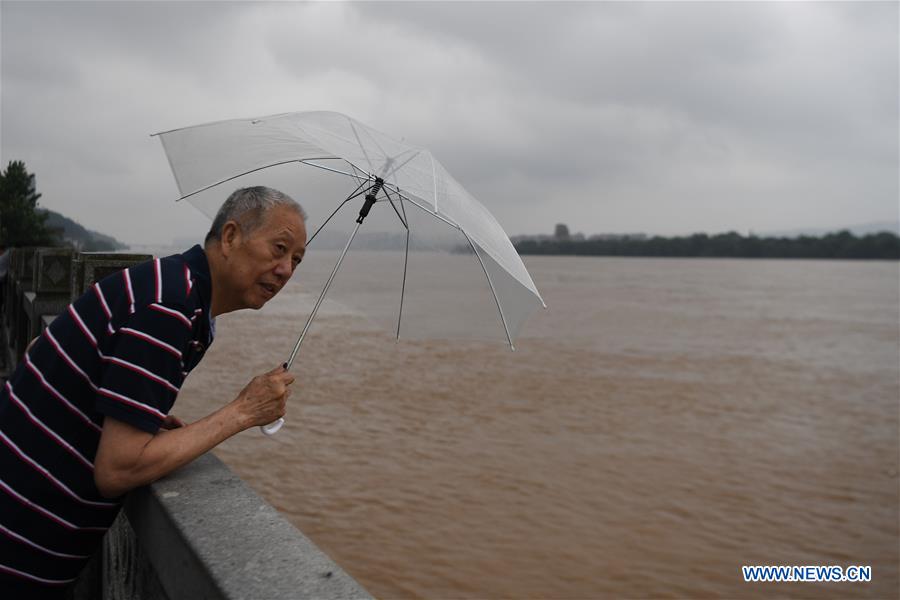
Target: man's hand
<point x="128" y="457"/>
<point x="263" y="400"/>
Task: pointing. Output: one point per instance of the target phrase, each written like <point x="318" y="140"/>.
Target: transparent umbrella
<point x="432" y="261"/>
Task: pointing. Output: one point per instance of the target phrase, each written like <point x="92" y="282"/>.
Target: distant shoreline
<point x="840" y="245"/>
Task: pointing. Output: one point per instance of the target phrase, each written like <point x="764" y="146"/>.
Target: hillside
<point x="75" y="234"/>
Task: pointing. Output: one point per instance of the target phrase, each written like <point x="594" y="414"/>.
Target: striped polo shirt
<point x="122" y="349"/>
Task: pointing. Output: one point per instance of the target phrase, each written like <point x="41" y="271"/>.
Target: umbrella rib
<point x="405" y="263"/>
<point x="430" y="212"/>
<point x="433" y="181"/>
<point x="352" y="195"/>
<point x="403" y="286"/>
<point x="403" y="209"/>
<point x="305" y="161"/>
<point x="361" y="147"/>
<point x="493" y="291"/>
<point x="275" y="164"/>
<point x="357" y="173"/>
<point x="388" y="195"/>
<point x="405" y="222"/>
<point x="227" y="179"/>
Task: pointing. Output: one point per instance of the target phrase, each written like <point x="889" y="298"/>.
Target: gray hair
<point x="247" y="207"/>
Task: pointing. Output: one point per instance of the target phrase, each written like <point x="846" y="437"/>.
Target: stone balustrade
<point x="41" y="283"/>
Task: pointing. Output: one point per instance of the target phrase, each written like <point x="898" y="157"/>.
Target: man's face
<point x="261" y="263"/>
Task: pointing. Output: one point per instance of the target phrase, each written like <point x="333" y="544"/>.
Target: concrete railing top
<point x="208" y="535"/>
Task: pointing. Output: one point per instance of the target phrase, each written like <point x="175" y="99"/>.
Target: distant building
<point x="561" y="232"/>
<point x="618" y="236"/>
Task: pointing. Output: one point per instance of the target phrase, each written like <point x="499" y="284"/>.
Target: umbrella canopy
<point x="414" y="194"/>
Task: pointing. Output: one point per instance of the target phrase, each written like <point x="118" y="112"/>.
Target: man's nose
<point x="284" y="268"/>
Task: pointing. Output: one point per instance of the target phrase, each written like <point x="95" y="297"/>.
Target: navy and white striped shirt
<point x="121" y="350"/>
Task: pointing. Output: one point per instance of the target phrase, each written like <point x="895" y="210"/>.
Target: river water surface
<point x="662" y="423"/>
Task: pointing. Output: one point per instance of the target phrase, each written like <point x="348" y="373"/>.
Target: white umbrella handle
<point x="273" y="427"/>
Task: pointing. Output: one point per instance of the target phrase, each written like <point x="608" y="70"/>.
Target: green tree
<point x="21" y="223"/>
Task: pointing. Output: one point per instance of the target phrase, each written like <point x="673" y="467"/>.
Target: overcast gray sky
<point x="668" y="117"/>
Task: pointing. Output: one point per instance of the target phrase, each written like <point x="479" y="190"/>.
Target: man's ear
<point x="231" y="237"/>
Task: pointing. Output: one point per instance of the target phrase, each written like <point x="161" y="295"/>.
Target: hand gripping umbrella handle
<point x="273" y="427"/>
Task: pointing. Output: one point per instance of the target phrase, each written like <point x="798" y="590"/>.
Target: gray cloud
<point x="664" y="117"/>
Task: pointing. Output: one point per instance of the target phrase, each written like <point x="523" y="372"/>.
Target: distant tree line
<point x="839" y="245"/>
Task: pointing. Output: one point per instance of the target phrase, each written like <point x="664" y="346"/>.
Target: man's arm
<point x="128" y="457"/>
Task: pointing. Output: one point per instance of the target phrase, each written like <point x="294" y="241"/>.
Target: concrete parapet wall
<point x="208" y="535"/>
<point x="202" y="533"/>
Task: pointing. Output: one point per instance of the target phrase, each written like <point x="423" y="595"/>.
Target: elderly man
<point x="85" y="417"/>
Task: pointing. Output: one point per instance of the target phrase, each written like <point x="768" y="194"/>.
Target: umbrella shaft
<point x="315" y="309"/>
